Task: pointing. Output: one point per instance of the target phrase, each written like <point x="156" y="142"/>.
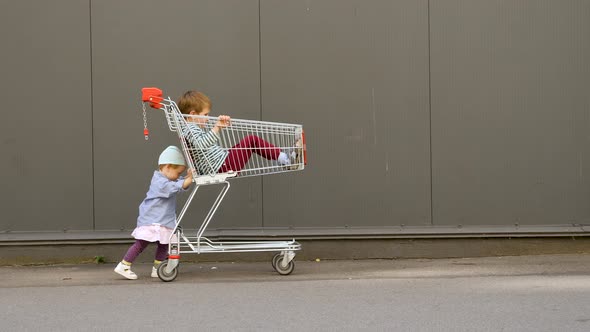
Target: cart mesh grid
<point x="289" y="138"/>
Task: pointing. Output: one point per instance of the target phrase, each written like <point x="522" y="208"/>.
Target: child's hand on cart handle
<point x="188" y="179"/>
<point x="223" y="121"/>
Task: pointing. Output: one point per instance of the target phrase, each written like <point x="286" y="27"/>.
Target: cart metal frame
<point x="284" y="136"/>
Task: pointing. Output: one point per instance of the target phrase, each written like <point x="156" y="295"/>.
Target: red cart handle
<point x="153" y="96"/>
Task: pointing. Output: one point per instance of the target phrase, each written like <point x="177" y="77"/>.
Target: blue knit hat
<point x="171" y="155"/>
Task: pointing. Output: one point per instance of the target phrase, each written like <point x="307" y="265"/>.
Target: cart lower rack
<point x="252" y="148"/>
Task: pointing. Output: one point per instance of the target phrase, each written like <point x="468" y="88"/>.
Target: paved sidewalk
<point x="525" y="293"/>
<point x="102" y="274"/>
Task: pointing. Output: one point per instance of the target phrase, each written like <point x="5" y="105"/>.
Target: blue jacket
<point x="159" y="205"/>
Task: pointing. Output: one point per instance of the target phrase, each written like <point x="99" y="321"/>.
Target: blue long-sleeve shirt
<point x="159" y="205"/>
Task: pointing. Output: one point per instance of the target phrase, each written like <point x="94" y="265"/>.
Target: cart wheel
<point x="275" y="259"/>
<point x="166" y="276"/>
<point x="284" y="270"/>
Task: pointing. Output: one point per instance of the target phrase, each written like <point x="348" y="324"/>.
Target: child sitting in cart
<point x="209" y="157"/>
<point x="157" y="212"/>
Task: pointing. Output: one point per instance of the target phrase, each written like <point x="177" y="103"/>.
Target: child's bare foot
<point x="297" y="155"/>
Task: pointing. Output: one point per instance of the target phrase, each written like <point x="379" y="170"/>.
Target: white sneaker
<point x="125" y="271"/>
<point x="154" y="272"/>
<point x="284" y="159"/>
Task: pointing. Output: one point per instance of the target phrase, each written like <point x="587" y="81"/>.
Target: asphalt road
<point x="527" y="293"/>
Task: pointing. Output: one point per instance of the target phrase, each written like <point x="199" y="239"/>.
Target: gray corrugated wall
<point x="356" y="75"/>
<point x="510" y="111"/>
<point x="416" y="112"/>
<point x="175" y="45"/>
<point x="46" y="124"/>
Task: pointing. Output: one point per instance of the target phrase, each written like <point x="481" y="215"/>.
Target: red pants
<point x="240" y="153"/>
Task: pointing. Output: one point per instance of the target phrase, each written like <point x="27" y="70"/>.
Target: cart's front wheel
<point x="283" y="270"/>
<point x="275" y="259"/>
<point x="166" y="276"/>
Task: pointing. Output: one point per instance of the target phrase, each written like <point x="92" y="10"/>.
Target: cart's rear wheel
<point x="166" y="276"/>
<point x="284" y="270"/>
<point x="275" y="259"/>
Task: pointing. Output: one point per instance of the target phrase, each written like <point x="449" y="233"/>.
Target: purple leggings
<point x="139" y="246"/>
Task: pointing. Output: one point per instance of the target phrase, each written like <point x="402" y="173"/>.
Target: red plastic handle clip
<point x="153" y="96"/>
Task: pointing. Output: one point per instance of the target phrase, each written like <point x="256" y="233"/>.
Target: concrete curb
<point x="46" y="252"/>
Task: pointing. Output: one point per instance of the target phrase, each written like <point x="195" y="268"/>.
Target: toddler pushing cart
<point x="288" y="138"/>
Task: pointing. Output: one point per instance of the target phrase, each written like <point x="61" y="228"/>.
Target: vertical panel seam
<point x="93" y="193"/>
<point x="260" y="102"/>
<point x="430" y="114"/>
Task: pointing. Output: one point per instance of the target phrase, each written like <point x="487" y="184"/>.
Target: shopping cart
<point x="287" y="137"/>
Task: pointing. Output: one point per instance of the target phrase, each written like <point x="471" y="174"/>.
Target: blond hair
<point x="193" y="101"/>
